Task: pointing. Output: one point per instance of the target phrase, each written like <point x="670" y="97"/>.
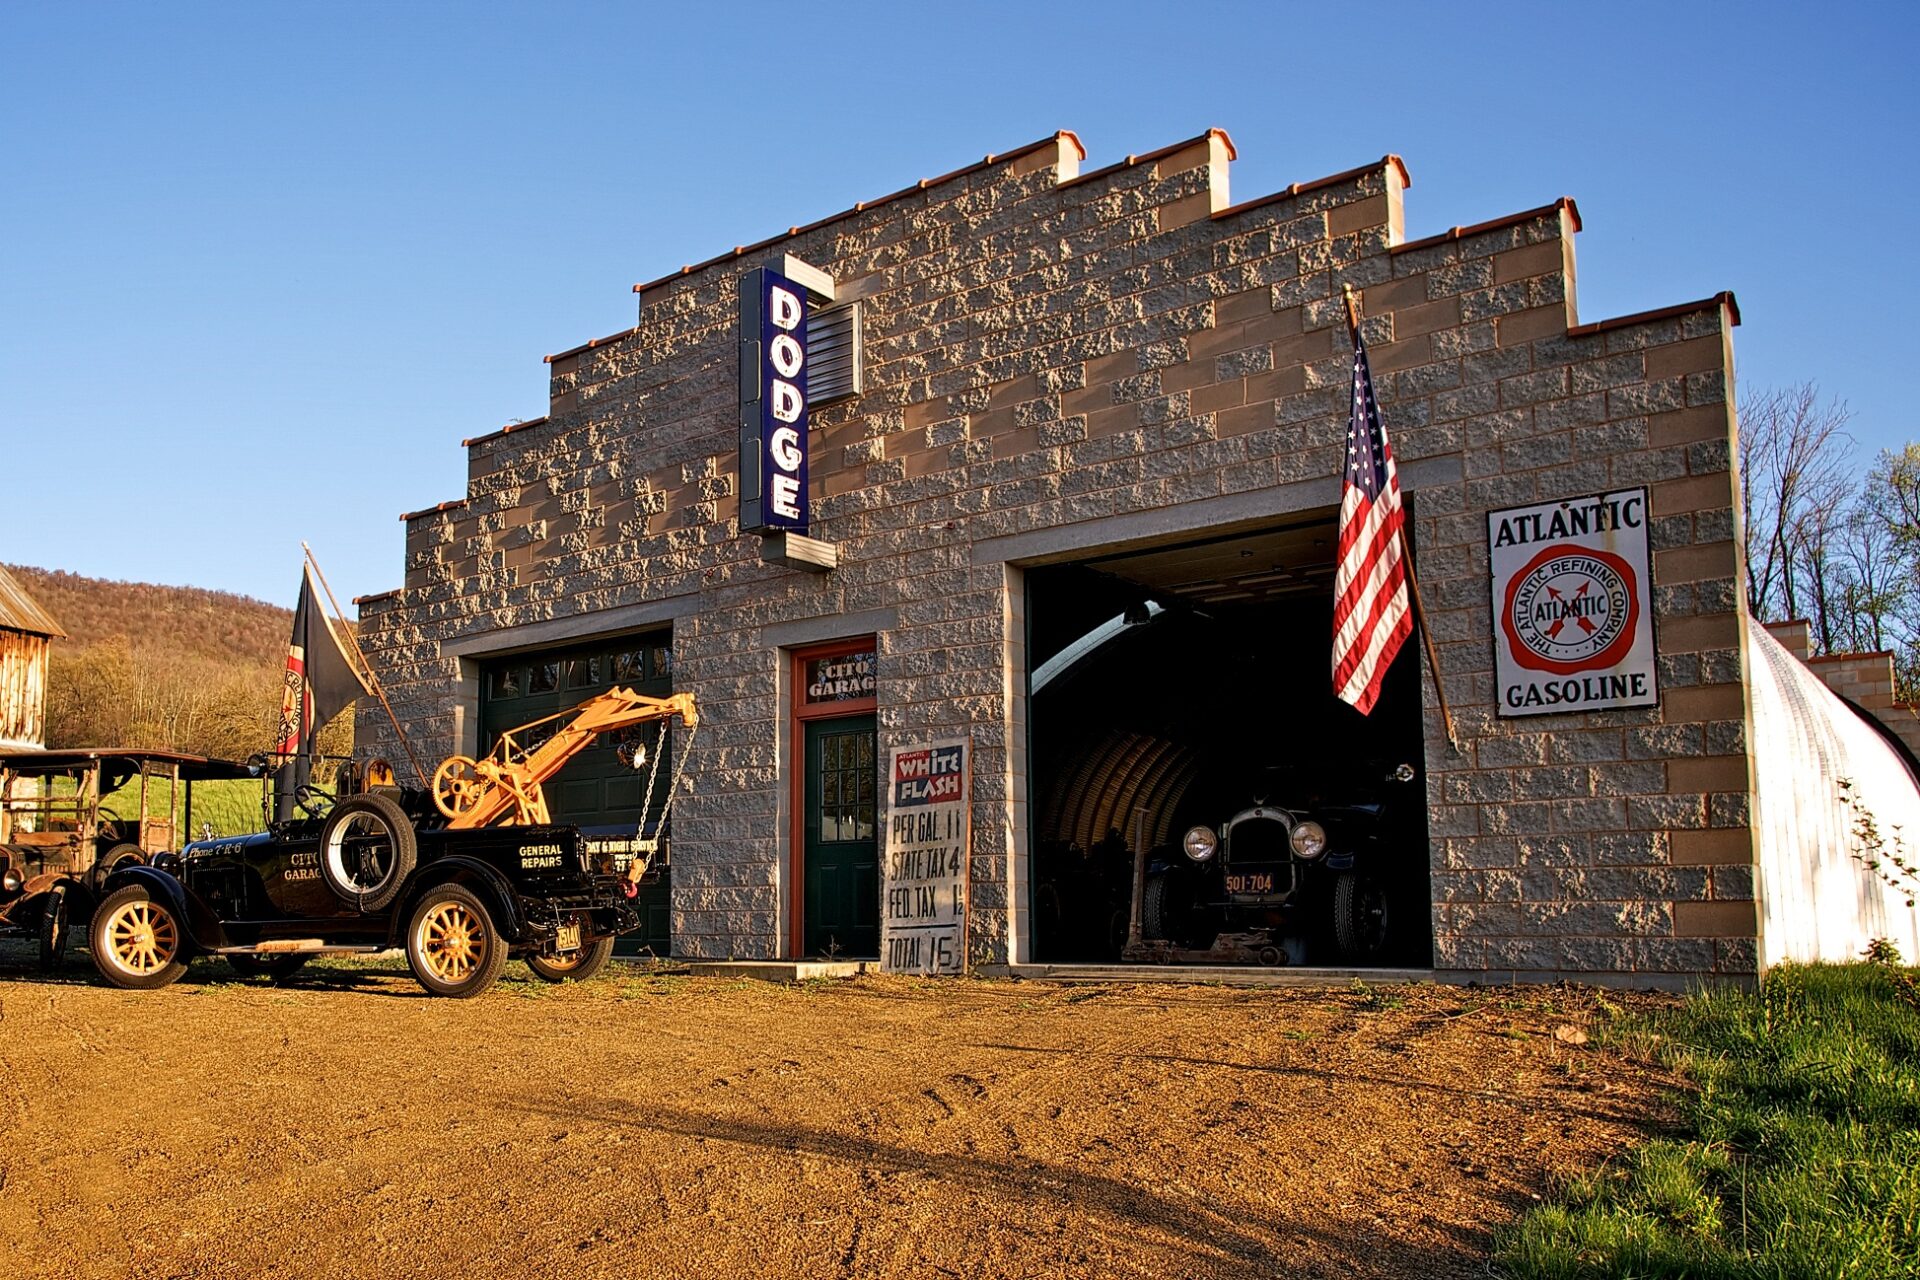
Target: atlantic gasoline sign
<point x="924" y="883"/>
<point x="1573" y="605"/>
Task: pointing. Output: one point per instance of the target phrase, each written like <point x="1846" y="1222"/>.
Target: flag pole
<point x="365" y="671"/>
<point x="1406" y="558"/>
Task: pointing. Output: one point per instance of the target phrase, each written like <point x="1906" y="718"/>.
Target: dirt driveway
<point x="345" y="1125"/>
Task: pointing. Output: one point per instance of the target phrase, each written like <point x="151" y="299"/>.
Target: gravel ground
<point x="648" y="1124"/>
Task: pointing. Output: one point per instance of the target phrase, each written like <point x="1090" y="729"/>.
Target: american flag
<point x="1370" y="615"/>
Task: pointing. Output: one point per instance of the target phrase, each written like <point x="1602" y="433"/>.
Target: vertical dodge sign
<point x="1573" y="605"/>
<point x="773" y="404"/>
<point x="923" y="922"/>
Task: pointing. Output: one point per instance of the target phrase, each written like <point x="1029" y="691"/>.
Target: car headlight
<point x="12" y="880"/>
<point x="1200" y="843"/>
<point x="1309" y="839"/>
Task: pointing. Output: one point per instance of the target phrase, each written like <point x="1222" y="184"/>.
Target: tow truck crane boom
<point x="505" y="787"/>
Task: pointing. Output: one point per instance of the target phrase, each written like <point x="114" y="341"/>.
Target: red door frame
<point x="803" y="714"/>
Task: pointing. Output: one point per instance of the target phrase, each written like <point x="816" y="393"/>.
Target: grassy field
<point x="232" y="807"/>
<point x="1800" y="1153"/>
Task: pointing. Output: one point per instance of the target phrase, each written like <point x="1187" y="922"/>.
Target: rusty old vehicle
<point x="1283" y="883"/>
<point x="69" y="819"/>
<point x="462" y="875"/>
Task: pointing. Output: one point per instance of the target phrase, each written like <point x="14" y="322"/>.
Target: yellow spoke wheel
<point x="452" y="943"/>
<point x="137" y="941"/>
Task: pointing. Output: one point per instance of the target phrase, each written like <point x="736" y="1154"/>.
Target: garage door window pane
<point x="629" y="665"/>
<point x="544" y="677"/>
<point x="662" y="662"/>
<point x="507" y="683"/>
<point x="583" y="673"/>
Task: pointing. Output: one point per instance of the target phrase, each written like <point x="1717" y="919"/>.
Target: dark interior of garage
<point x="1180" y="686"/>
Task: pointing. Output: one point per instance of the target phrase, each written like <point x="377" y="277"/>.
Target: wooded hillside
<point x="175" y="667"/>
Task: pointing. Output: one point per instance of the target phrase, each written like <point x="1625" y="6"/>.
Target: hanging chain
<point x="673" y="787"/>
<point x="653" y="776"/>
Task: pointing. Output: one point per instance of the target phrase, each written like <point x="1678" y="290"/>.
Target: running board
<point x="299" y="947"/>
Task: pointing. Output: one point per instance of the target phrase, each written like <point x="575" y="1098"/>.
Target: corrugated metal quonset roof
<point x="1819" y="769"/>
<point x="21" y="612"/>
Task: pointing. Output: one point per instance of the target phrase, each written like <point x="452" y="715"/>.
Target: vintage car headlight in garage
<point x="1309" y="839"/>
<point x="1200" y="843"/>
<point x="11" y="880"/>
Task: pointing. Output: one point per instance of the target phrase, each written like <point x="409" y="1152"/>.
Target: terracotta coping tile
<point x="512" y="427"/>
<point x="1331" y="180"/>
<point x="428" y="511"/>
<point x="1133" y="162"/>
<point x="1724" y="298"/>
<point x="1461" y="233"/>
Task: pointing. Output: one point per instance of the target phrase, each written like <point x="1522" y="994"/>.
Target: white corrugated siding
<point x="1817" y="902"/>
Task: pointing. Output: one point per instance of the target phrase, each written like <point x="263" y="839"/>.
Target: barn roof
<point x="21" y="612"/>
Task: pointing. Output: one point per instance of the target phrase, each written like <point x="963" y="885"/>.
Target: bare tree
<point x="1794" y="478"/>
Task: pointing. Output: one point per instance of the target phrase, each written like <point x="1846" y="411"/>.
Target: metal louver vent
<point x="834" y="356"/>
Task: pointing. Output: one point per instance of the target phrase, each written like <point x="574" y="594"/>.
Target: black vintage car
<point x="1275" y="884"/>
<point x="368" y="873"/>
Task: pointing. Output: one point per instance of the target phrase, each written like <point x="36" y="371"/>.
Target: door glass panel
<point x="846" y="787"/>
<point x="543" y="678"/>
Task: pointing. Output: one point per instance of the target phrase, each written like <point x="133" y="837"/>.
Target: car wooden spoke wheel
<point x="137" y="940"/>
<point x="573" y="966"/>
<point x="452" y="943"/>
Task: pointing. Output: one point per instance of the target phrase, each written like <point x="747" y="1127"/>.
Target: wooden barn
<point x="26" y="632"/>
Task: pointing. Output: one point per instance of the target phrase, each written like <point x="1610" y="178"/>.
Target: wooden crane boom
<point x="506" y="787"/>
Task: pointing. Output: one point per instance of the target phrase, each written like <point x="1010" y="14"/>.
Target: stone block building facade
<point x="1061" y="364"/>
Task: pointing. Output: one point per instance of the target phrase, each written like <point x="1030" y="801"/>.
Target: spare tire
<point x="367" y="851"/>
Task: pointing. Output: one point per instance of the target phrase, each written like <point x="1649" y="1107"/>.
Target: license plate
<point x="1260" y="883"/>
<point x="567" y="937"/>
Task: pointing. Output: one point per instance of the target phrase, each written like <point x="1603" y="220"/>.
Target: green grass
<point x="1800" y="1150"/>
<point x="232" y="806"/>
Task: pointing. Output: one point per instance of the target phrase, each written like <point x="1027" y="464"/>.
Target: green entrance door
<point x="841" y="907"/>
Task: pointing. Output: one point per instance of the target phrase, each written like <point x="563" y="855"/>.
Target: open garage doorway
<point x="1184" y="693"/>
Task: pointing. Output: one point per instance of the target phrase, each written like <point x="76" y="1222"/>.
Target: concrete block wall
<point x="1053" y="351"/>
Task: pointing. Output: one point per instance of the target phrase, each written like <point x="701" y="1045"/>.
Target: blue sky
<point x="262" y="267"/>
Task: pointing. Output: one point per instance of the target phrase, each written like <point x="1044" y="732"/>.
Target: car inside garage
<point x="1180" y="699"/>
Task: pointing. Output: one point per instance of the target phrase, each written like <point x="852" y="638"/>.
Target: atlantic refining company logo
<point x="1569" y="612"/>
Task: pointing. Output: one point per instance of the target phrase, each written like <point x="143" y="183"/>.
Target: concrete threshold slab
<point x="781" y="970"/>
<point x="1228" y="975"/>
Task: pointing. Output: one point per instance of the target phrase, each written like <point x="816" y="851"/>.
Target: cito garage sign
<point x="1573" y="605"/>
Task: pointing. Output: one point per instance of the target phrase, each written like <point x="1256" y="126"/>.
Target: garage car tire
<point x="137" y="941"/>
<point x="1360" y="918"/>
<point x="53" y="929"/>
<point x="452" y="943"/>
<point x="573" y="966"/>
<point x="367" y="851"/>
<point x="1156" y="910"/>
<point x="271" y="967"/>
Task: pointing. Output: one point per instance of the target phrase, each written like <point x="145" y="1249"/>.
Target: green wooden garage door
<point x="595" y="790"/>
